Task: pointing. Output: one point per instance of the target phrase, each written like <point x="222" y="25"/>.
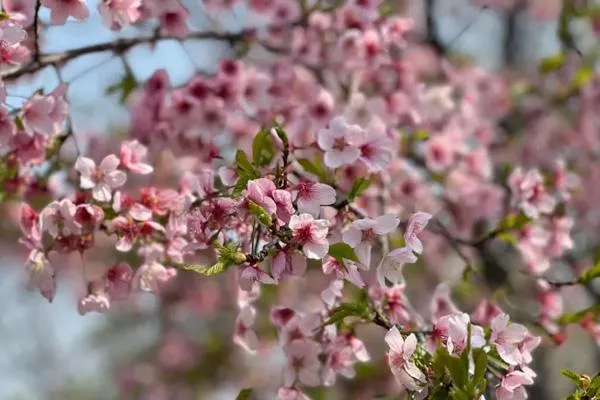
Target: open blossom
<point x="416" y="224"/>
<point x="348" y="270"/>
<point x="62" y="9"/>
<point x="253" y="274"/>
<point x="340" y="142"/>
<point x="101" y="179"/>
<point x="363" y="232"/>
<point x="399" y="359"/>
<point x="285" y="393"/>
<point x="132" y="155"/>
<point x="37" y="115"/>
<point x="529" y="193"/>
<point x="507" y="337"/>
<point x="311" y="234"/>
<point x="303" y="364"/>
<point x="310" y="196"/>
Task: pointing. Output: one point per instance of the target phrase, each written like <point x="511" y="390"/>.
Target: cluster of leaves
<point x="587" y="388"/>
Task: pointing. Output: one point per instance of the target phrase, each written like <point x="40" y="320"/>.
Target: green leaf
<point x="341" y="250"/>
<point x="213" y="270"/>
<point x="244" y="394"/>
<point x="590" y="274"/>
<point x="582" y="77"/>
<point x="572" y="318"/>
<point x="260" y="213"/>
<point x="573" y="376"/>
<point x="517" y="221"/>
<point x="552" y="63"/>
<point x="281" y="134"/>
<point x="263" y="149"/>
<point x="480" y="362"/>
<point x="19" y="123"/>
<point x="124" y="87"/>
<point x="244" y="166"/>
<point x="344" y="310"/>
<point x="316" y="168"/>
<point x="359" y="186"/>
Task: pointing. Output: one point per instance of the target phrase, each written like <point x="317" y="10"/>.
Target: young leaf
<point x="244" y="166"/>
<point x="359" y="186"/>
<point x="347" y="310"/>
<point x="260" y="213"/>
<point x="244" y="394"/>
<point x="341" y="250"/>
<point x="590" y="274"/>
<point x="215" y="269"/>
<point x="573" y="376"/>
<point x="124" y="87"/>
<point x="263" y="150"/>
<point x="552" y="63"/>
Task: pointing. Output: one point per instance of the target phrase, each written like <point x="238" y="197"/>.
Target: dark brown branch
<point x="120" y="46"/>
<point x="36" y="33"/>
<point x="432" y="37"/>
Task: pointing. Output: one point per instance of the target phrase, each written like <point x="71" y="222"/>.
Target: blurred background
<point x="49" y="351"/>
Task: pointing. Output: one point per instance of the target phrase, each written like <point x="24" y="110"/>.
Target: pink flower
<point x="340" y="142"/>
<point x="118" y="14"/>
<point x="244" y="336"/>
<point x="511" y="387"/>
<point x="560" y="236"/>
<point x="36" y="115"/>
<point x="173" y="19"/>
<point x="416" y="224"/>
<point x="132" y="155"/>
<point x="406" y="373"/>
<point x="251" y="275"/>
<point x="118" y="281"/>
<point x="41" y="274"/>
<point x="7" y="127"/>
<point x="485" y="312"/>
<point x="285" y="393"/>
<point x="259" y="191"/>
<point x="349" y="271"/>
<point x="303" y="364"/>
<point x="440" y="152"/>
<point x="310" y="196"/>
<point x="29" y="222"/>
<point x="457" y="324"/>
<point x="363" y="232"/>
<point x="102" y="179"/>
<point x="128" y="230"/>
<point x="529" y="194"/>
<point x="288" y="262"/>
<point x="333" y="292"/>
<point x="94" y="302"/>
<point x="62" y="9"/>
<point x="57" y="218"/>
<point x="311" y="234"/>
<point x="12" y="34"/>
<point x="152" y="277"/>
<point x="376" y="151"/>
<point x="441" y="303"/>
<point x="390" y="267"/>
<point x="507" y="338"/>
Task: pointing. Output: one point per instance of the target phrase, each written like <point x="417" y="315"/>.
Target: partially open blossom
<point x="118" y="281"/>
<point x="416" y="224"/>
<point x="507" y="337"/>
<point x="288" y="263"/>
<point x="399" y="359"/>
<point x="132" y="156"/>
<point x="390" y="267"/>
<point x="511" y="386"/>
<point x="529" y="193"/>
<point x="41" y="274"/>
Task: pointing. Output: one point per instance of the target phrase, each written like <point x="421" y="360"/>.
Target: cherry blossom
<point x="362" y="233"/>
<point x="303" y="364"/>
<point x="311" y="234"/>
<point x="399" y="358"/>
<point x="101" y="179"/>
<point x="310" y="196"/>
<point x="340" y="142"/>
<point x="62" y="9"/>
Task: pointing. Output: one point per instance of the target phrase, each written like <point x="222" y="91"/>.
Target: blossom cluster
<point x="357" y="153"/>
